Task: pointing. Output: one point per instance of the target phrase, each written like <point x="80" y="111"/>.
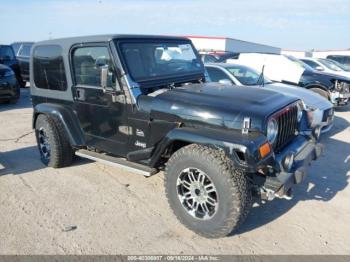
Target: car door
<point x="101" y="111"/>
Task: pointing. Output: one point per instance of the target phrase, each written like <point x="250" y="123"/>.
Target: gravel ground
<point x="117" y="212"/>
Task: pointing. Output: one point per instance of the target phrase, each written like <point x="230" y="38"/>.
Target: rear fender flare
<point x="66" y="117"/>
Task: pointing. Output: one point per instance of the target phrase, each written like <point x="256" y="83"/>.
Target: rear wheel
<point x="206" y="192"/>
<point x="54" y="147"/>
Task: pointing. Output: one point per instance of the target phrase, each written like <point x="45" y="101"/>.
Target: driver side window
<point x="88" y="63"/>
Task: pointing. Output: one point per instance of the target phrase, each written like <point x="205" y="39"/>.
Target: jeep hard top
<point x="142" y="103"/>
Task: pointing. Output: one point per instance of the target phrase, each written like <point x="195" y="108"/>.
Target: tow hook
<point x="269" y="195"/>
<point x="288" y="195"/>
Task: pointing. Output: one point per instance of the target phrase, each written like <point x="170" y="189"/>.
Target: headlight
<point x="272" y="130"/>
<point x="341" y="86"/>
<point x="300" y="106"/>
<point x="9" y="73"/>
<point x="338" y="85"/>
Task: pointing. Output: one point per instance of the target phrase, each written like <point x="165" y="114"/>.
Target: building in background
<point x="226" y="44"/>
<point x="325" y="53"/>
<point x="315" y="53"/>
<point x="296" y="53"/>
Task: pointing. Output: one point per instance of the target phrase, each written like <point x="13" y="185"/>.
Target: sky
<point x="295" y="25"/>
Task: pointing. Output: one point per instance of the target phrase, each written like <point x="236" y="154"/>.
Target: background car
<point x="321" y="64"/>
<point x="22" y="52"/>
<point x="7" y="57"/>
<point x="216" y="56"/>
<point x="344" y="67"/>
<point x="320" y="109"/>
<point x="289" y="70"/>
<point x="9" y="87"/>
<point x="343" y="59"/>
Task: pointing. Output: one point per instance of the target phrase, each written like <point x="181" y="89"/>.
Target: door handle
<point x="80" y="94"/>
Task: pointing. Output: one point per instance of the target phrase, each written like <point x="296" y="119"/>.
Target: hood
<point x="310" y="98"/>
<point x="325" y="75"/>
<point x="217" y="104"/>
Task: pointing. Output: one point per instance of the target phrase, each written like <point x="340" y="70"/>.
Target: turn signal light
<point x="264" y="150"/>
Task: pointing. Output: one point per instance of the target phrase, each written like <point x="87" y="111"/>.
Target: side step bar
<point x="117" y="162"/>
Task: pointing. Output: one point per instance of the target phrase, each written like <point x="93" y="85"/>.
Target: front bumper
<point x="319" y="118"/>
<point x="8" y="88"/>
<point x="280" y="180"/>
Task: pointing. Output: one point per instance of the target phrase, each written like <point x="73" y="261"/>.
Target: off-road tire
<point x="232" y="185"/>
<point x="61" y="152"/>
<point x="320" y="92"/>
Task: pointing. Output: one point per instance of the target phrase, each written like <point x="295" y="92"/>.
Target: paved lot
<point x="122" y="213"/>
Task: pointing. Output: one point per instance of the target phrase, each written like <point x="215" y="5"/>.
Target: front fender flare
<point x="230" y="141"/>
<point x="66" y="117"/>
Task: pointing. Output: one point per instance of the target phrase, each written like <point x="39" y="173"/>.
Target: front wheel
<point x="206" y="192"/>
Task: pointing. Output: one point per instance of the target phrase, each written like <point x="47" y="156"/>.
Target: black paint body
<point x="204" y="113"/>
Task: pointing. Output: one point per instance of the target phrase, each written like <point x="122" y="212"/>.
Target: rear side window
<point x="48" y="68"/>
<point x="88" y="63"/>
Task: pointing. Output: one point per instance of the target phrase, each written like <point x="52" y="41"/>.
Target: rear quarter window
<point x="48" y="68"/>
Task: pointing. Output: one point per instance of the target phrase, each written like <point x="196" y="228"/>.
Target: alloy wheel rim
<point x="197" y="193"/>
<point x="44" y="144"/>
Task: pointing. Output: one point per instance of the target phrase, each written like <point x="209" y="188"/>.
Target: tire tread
<point x="239" y="187"/>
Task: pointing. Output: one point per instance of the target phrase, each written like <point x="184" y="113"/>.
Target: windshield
<point x="247" y="76"/>
<point x="343" y="67"/>
<point x="299" y="63"/>
<point x="160" y="59"/>
<point x="329" y="65"/>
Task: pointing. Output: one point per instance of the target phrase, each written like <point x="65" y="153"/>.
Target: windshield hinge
<point x="246" y="125"/>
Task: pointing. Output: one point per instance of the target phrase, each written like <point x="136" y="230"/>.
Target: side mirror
<point x="104" y="77"/>
<point x="104" y="82"/>
<point x="319" y="68"/>
<point x="225" y="82"/>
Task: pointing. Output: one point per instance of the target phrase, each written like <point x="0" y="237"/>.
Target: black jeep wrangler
<point x="141" y="103"/>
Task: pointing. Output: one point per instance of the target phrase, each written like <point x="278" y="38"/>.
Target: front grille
<point x="287" y="120"/>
